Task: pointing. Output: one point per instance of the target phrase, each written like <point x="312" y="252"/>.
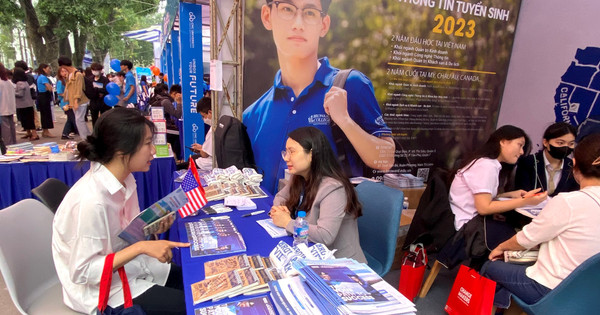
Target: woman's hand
<point x="165" y="225"/>
<point x="280" y="215"/>
<point x="161" y="249"/>
<point x="534" y="197"/>
<point x="513" y="194"/>
<point x="496" y="254"/>
<point x="196" y="147"/>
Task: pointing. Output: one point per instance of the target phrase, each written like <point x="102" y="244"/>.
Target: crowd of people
<point x="32" y="95"/>
<point x="496" y="179"/>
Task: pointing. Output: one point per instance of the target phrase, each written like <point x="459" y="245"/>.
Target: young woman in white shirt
<point x="566" y="230"/>
<point x="98" y="207"/>
<point x="474" y="189"/>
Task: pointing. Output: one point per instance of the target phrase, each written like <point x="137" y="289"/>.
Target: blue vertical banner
<point x="175" y="58"/>
<point x="169" y="63"/>
<point x="190" y="28"/>
<point x="163" y="61"/>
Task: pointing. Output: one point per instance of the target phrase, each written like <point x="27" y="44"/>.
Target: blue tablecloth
<point x="257" y="240"/>
<point x="17" y="179"/>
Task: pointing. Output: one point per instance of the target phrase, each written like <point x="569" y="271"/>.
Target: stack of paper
<point x="256" y="305"/>
<point x="402" y="181"/>
<point x="338" y="286"/>
<point x="240" y="202"/>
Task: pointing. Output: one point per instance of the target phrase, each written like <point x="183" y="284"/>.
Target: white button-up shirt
<point x="85" y="230"/>
<point x="478" y="177"/>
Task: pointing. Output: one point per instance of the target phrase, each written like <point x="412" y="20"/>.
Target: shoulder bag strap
<point x="338" y="135"/>
<point x="106" y="280"/>
<point x="596" y="200"/>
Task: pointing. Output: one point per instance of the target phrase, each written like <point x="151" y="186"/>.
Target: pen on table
<point x="253" y="213"/>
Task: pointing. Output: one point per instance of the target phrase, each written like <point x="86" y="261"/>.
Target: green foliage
<point x="97" y="24"/>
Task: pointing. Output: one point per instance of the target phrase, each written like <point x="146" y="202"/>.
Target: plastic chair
<point x="378" y="226"/>
<point x="26" y="259"/>
<point x="51" y="193"/>
<point x="577" y="294"/>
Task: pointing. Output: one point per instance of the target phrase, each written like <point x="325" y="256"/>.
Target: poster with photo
<point x="437" y="67"/>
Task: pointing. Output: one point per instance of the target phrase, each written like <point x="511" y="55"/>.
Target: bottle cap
<point x="301" y="214"/>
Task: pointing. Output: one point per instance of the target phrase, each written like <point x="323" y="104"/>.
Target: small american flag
<point x="193" y="190"/>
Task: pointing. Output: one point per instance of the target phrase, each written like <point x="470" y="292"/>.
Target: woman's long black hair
<point x="323" y="164"/>
<point x="117" y="131"/>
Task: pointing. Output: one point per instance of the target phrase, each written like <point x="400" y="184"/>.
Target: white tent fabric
<point x="150" y="34"/>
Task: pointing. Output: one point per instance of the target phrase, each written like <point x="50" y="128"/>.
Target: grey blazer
<point x="327" y="222"/>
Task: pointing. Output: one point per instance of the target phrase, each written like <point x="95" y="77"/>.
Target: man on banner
<point x="193" y="190"/>
<point x="303" y="95"/>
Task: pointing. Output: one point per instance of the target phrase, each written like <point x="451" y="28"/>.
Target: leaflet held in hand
<point x="148" y="221"/>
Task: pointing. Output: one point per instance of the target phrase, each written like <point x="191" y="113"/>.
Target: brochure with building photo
<point x="257" y="305"/>
<point x="148" y="221"/>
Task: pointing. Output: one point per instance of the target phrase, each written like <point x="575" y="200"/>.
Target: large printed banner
<point x="438" y="67"/>
<point x="190" y="26"/>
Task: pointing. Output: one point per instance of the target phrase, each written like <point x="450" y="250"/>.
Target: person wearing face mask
<point x="566" y="231"/>
<point x="161" y="98"/>
<point x="97" y="93"/>
<point x="205" y="151"/>
<point x="550" y="168"/>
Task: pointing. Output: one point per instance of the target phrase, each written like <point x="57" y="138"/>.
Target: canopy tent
<point x="150" y="34"/>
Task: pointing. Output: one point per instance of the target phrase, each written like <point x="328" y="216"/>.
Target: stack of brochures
<point x="246" y="176"/>
<point x="249" y="275"/>
<point x="337" y="286"/>
<point x="233" y="276"/>
<point x="214" y="236"/>
<point x="402" y="181"/>
<point x="257" y="305"/>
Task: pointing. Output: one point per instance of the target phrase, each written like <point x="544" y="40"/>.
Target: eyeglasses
<point x="287" y="11"/>
<point x="285" y="153"/>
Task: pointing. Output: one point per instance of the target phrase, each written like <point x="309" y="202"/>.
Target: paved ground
<point x="59" y="122"/>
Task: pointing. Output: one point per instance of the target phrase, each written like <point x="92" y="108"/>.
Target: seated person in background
<point x="175" y="93"/>
<point x="204" y="151"/>
<point x="474" y="190"/>
<point x="161" y="98"/>
<point x="550" y="168"/>
<point x="95" y="211"/>
<point x="319" y="187"/>
<point x="566" y="230"/>
<point x="475" y="184"/>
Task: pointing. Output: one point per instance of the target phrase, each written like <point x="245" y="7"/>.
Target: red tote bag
<point x="412" y="271"/>
<point x="471" y="294"/>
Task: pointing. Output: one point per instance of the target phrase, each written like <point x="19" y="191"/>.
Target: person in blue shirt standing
<point x="130" y="96"/>
<point x="303" y="95"/>
<point x="44" y="88"/>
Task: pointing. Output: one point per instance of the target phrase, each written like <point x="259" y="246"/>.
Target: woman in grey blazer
<point x="319" y="187"/>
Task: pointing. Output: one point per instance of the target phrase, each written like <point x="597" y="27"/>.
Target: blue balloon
<point x="113" y="89"/>
<point x="115" y="64"/>
<point x="111" y="100"/>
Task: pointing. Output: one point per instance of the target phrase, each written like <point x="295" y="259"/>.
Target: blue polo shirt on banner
<point x="41" y="81"/>
<point x="278" y="112"/>
<point x="130" y="84"/>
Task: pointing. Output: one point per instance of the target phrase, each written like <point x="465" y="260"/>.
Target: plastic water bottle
<point x="405" y="204"/>
<point x="301" y="229"/>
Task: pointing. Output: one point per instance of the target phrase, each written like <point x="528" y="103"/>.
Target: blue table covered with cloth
<point x="257" y="240"/>
<point x="17" y="179"/>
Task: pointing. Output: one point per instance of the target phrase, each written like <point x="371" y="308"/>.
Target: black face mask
<point x="559" y="153"/>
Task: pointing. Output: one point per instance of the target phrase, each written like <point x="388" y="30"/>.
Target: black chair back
<point x="51" y="193"/>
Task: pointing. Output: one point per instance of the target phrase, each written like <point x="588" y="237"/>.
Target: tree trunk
<point x="64" y="47"/>
<point x="42" y="38"/>
<point x="80" y="40"/>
